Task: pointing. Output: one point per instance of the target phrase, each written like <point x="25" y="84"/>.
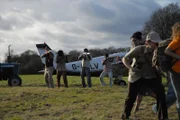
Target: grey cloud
<point x="16" y="19"/>
<point x="2" y="40"/>
<point x="93" y="9"/>
<point x="71" y="28"/>
<point x="48" y="35"/>
<point x="22" y="0"/>
<point x="63" y="32"/>
<point x="125" y="19"/>
<point x="36" y="39"/>
<point x="4" y="25"/>
<point x="71" y="42"/>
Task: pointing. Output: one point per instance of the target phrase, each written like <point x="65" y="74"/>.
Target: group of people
<point x="61" y="68"/>
<point x="144" y="75"/>
<point x="49" y="67"/>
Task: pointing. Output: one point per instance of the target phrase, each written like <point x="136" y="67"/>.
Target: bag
<point x="164" y="61"/>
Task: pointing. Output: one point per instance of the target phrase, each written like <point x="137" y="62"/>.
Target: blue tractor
<point x="9" y="71"/>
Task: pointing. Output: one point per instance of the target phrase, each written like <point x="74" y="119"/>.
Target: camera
<point x="85" y="55"/>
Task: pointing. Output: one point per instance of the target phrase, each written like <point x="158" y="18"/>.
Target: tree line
<point x="30" y="62"/>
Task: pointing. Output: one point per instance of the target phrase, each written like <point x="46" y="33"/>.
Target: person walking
<point x="86" y="58"/>
<point x="107" y="70"/>
<point x="49" y="68"/>
<point x="136" y="40"/>
<point x="141" y="72"/>
<point x="173" y="50"/>
<point x="61" y="68"/>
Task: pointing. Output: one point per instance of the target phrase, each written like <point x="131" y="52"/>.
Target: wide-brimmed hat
<point x="153" y="36"/>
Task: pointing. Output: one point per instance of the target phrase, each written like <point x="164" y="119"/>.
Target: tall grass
<point x="34" y="101"/>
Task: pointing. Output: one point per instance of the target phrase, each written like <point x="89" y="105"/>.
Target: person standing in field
<point x="107" y="70"/>
<point x="61" y="68"/>
<point x="49" y="68"/>
<point x="141" y="72"/>
<point x="173" y="50"/>
<point x="170" y="96"/>
<point x="136" y="40"/>
<point x="86" y="58"/>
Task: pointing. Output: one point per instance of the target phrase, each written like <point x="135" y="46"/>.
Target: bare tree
<point x="162" y="20"/>
<point x="6" y="55"/>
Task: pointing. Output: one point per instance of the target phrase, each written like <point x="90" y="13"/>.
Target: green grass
<point x="34" y="101"/>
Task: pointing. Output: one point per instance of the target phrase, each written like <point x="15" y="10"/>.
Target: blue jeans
<point x="176" y="85"/>
<point x="110" y="74"/>
<point x="170" y="97"/>
<point x="86" y="71"/>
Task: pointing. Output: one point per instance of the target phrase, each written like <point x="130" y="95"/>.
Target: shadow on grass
<point x="5" y="85"/>
<point x="28" y="85"/>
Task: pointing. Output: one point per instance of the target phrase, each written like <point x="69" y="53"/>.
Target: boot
<point x="58" y="83"/>
<point x="65" y="82"/>
<point x="124" y="117"/>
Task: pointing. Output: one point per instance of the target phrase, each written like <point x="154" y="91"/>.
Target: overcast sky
<point x="72" y="24"/>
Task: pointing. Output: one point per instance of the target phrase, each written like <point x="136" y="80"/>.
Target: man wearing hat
<point x="141" y="72"/>
<point x="136" y="40"/>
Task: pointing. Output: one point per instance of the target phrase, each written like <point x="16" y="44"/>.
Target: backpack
<point x="164" y="61"/>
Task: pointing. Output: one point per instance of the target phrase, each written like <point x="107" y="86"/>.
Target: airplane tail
<point x="41" y="48"/>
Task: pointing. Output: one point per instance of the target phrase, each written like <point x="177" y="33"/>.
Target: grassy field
<point x="34" y="101"/>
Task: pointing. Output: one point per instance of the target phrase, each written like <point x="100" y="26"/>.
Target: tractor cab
<point x="9" y="71"/>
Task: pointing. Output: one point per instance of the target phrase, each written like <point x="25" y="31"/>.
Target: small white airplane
<point x="74" y="68"/>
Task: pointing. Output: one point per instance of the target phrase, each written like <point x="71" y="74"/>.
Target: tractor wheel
<point x="15" y="81"/>
<point x="122" y="83"/>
